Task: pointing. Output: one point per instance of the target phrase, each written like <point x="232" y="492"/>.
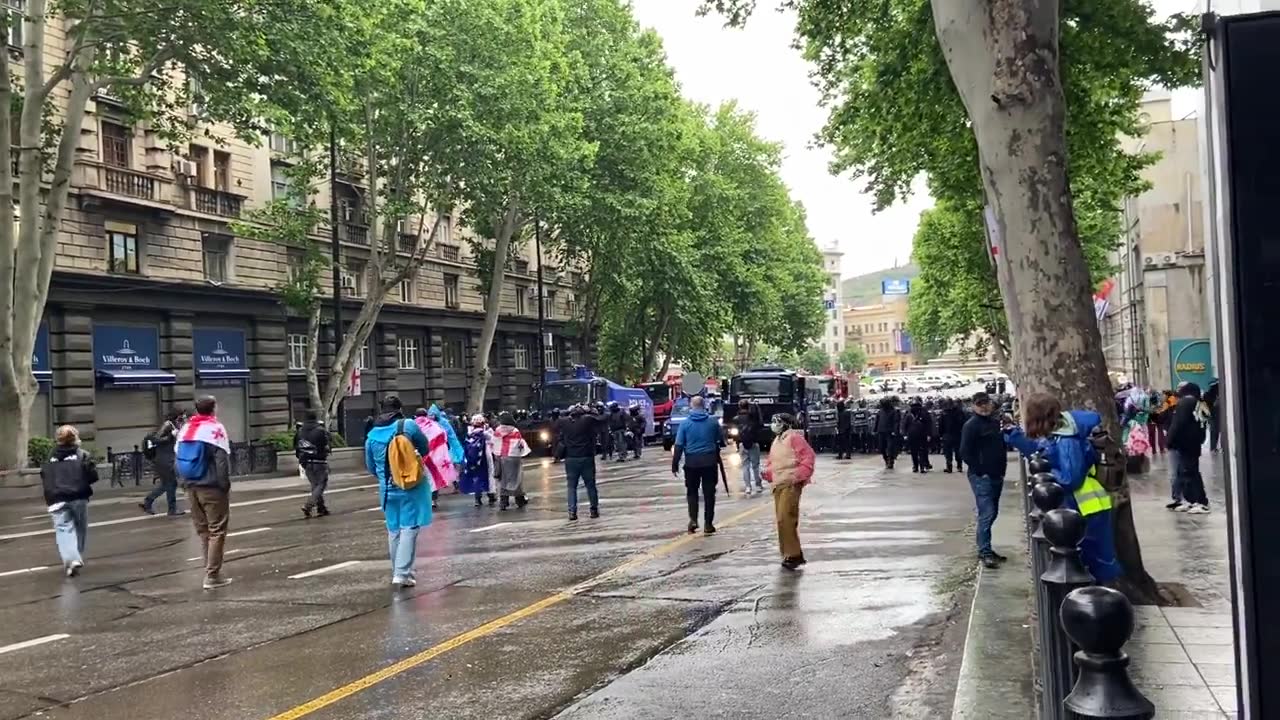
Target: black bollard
<point x="1064" y="530"/>
<point x="1046" y="495"/>
<point x="1100" y="621"/>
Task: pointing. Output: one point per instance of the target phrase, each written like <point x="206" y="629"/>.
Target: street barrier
<point x="1082" y="671"/>
<point x="247" y="458"/>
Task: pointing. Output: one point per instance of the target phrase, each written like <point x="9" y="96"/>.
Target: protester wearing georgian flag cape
<point x="203" y="461"/>
<point x="510" y="449"/>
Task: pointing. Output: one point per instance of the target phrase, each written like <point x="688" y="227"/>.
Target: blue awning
<point x="43" y="376"/>
<point x="137" y="377"/>
<point x="224" y="374"/>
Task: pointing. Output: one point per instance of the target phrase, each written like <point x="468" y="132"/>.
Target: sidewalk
<point x="1184" y="658"/>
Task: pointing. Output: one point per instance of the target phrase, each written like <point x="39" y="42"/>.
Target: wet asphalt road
<point x="517" y="614"/>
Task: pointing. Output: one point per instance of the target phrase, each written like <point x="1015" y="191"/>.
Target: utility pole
<point x="336" y="255"/>
<point x="542" y="312"/>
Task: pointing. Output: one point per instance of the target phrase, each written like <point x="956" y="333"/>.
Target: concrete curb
<point x="996" y="676"/>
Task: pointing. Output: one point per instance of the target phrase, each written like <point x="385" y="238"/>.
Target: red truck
<point x="663" y="396"/>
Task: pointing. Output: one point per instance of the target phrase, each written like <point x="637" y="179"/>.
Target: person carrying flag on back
<point x="438" y="462"/>
<point x="509" y="451"/>
<point x="393" y="453"/>
<point x="203" y="462"/>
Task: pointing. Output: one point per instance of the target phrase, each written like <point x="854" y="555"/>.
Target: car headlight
<point x="733" y="432"/>
<point x="544" y="436"/>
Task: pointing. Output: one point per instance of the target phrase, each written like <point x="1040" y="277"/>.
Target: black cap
<point x="981" y="398"/>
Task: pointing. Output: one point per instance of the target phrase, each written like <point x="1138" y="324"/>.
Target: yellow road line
<point x="493" y="626"/>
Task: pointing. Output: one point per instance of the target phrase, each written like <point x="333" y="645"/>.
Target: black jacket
<point x="951" y="424"/>
<point x="315" y="434"/>
<point x="1185" y="433"/>
<point x="844" y="419"/>
<point x="68" y="475"/>
<point x="578" y="434"/>
<point x="748" y="428"/>
<point x="888" y="420"/>
<point x="917" y="424"/>
<point x="635" y="423"/>
<point x="982" y="446"/>
<point x="617" y="421"/>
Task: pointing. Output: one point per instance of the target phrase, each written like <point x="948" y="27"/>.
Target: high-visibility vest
<point x="1092" y="497"/>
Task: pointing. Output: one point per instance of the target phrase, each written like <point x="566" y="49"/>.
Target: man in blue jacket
<point x="699" y="441"/>
<point x="406" y="511"/>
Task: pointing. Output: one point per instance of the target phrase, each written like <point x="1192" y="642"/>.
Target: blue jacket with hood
<point x="1071" y="456"/>
<point x="402" y="508"/>
<point x="698" y="439"/>
<point x="455" y="446"/>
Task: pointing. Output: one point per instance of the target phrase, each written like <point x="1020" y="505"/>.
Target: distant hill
<point x="865" y="289"/>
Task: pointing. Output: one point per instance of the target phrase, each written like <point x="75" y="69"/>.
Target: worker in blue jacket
<point x="1064" y="438"/>
<point x="698" y="440"/>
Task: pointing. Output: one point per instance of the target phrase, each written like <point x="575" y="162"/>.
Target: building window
<point x="408" y="350"/>
<point x="279" y="143"/>
<point x="522" y="292"/>
<point x="352" y="275"/>
<point x="406" y="289"/>
<point x="216" y="248"/>
<point x="16" y="7"/>
<point x="221" y="171"/>
<point x="522" y="356"/>
<point x="279" y="182"/>
<point x="446" y="232"/>
<point x="452" y="354"/>
<point x="451" y="300"/>
<point x="522" y="267"/>
<point x="200" y="158"/>
<point x="365" y="362"/>
<point x="571" y="306"/>
<point x="449" y="252"/>
<point x="122" y="252"/>
<point x="297" y="351"/>
<point x="550" y="306"/>
<point x="117" y="144"/>
<point x="551" y="356"/>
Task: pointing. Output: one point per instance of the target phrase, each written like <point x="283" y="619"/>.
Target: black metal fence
<point x="247" y="458"/>
<point x="1081" y="627"/>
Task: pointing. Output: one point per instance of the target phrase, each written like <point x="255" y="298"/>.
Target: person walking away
<point x="67" y="478"/>
<point x="393" y="453"/>
<point x="618" y="432"/>
<point x="791" y="462"/>
<point x="475" y="468"/>
<point x="578" y="441"/>
<point x="1070" y="442"/>
<point x="698" y="442"/>
<point x="950" y="428"/>
<point x="886" y="427"/>
<point x="510" y="449"/>
<point x="160" y="446"/>
<point x="203" y="462"/>
<point x="451" y="434"/>
<point x="312" y="446"/>
<point x="1213" y="398"/>
<point x="1186" y="436"/>
<point x="917" y="427"/>
<point x="844" y="431"/>
<point x="439" y="461"/>
<point x="635" y="430"/>
<point x="749" y="431"/>
<point x="982" y="448"/>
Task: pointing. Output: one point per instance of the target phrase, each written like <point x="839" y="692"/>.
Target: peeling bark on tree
<point x="1003" y="58"/>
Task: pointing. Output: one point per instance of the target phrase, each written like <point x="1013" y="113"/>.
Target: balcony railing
<point x="216" y="202"/>
<point x="122" y="181"/>
<point x="353" y="233"/>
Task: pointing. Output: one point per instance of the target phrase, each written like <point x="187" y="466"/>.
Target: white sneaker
<point x="408" y="582"/>
<point x="1184" y="507"/>
<point x="74" y="568"/>
<point x="398" y="581"/>
<point x="1198" y="510"/>
<point x="213" y="583"/>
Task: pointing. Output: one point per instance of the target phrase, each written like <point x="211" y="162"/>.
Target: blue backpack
<point x="191" y="460"/>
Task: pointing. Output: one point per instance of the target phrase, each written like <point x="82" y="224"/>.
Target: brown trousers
<point x="786" y="508"/>
<point x="211" y="512"/>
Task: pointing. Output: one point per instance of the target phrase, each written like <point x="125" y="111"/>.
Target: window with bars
<point x="451" y="296"/>
<point x="450" y="252"/>
<point x="522" y="356"/>
<point x="122" y="252"/>
<point x="297" y="346"/>
<point x="452" y="354"/>
<point x="117" y="144"/>
<point x="552" y="356"/>
<point x="522" y="267"/>
<point x="217" y="251"/>
<point x="409" y="352"/>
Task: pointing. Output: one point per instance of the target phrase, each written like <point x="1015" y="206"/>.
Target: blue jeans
<point x="70" y="528"/>
<point x="1175" y="482"/>
<point x="751" y="468"/>
<point x="986" y="495"/>
<point x="584" y="469"/>
<point x="404" y="548"/>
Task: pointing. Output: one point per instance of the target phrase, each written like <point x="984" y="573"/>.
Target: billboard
<point x="1190" y="360"/>
<point x="895" y="286"/>
<point x="902" y="342"/>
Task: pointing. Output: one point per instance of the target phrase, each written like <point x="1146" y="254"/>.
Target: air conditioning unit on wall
<point x="184" y="168"/>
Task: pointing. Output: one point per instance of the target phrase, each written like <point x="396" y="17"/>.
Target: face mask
<point x="777" y="427"/>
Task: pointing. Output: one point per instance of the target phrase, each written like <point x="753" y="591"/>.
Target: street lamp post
<point x="542" y="312"/>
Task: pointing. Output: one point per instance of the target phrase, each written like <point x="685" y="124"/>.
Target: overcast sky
<point x="758" y="67"/>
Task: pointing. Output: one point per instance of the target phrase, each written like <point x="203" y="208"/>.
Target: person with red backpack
<point x="393" y="452"/>
<point x="203" y="462"/>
